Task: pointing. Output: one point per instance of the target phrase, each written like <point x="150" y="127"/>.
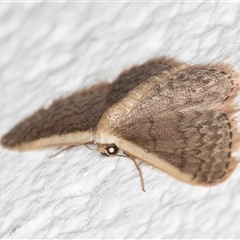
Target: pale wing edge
<point x="69" y="139"/>
<point x="136" y="152"/>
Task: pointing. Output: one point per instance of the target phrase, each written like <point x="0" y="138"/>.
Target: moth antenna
<point x="86" y="145"/>
<point x="140" y="174"/>
<point x="62" y="150"/>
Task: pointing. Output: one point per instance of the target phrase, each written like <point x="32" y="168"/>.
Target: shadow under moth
<point x="173" y="116"/>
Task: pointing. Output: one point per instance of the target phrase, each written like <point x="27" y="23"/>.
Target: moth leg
<point x="62" y="150"/>
<point x="140" y="173"/>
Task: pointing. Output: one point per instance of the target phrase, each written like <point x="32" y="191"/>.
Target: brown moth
<point x="173" y="116"/>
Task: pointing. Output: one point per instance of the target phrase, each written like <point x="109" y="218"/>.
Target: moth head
<point x="108" y="149"/>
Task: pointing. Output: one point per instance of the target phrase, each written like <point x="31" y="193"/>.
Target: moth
<point x="173" y="116"/>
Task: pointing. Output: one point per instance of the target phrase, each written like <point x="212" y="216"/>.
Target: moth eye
<point x="112" y="150"/>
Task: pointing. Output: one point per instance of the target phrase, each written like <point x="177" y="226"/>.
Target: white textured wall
<point x="51" y="49"/>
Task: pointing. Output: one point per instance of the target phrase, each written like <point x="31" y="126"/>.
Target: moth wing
<point x="68" y="121"/>
<point x="137" y="75"/>
<point x="193" y="147"/>
<point x="178" y="122"/>
<point x="72" y="120"/>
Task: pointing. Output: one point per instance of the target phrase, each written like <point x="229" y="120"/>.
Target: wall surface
<point x="52" y="49"/>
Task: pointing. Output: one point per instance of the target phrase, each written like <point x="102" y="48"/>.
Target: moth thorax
<point x="108" y="149"/>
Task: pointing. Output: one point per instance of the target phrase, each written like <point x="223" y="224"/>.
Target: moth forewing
<point x="194" y="123"/>
<point x="122" y="109"/>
